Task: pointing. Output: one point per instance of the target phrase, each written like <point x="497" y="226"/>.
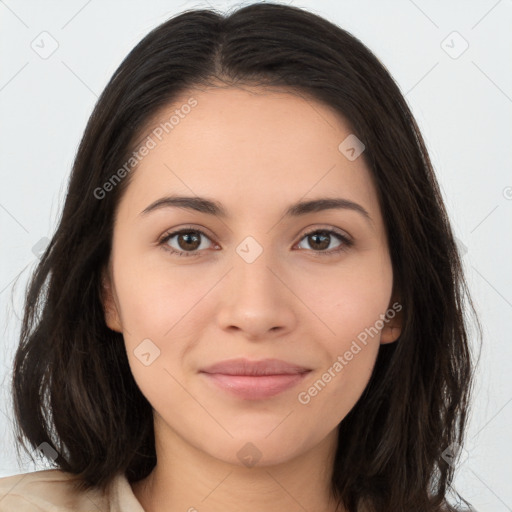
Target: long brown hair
<point x="72" y="384"/>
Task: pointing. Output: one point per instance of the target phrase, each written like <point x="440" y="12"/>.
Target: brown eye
<point x="320" y="240"/>
<point x="188" y="242"/>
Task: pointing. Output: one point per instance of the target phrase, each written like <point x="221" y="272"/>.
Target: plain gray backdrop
<point x="452" y="61"/>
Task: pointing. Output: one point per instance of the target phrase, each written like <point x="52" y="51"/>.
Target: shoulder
<point x="50" y="490"/>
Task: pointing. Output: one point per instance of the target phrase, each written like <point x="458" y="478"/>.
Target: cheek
<point x="350" y="302"/>
<point x="155" y="299"/>
<point x="350" y="298"/>
<point x="162" y="313"/>
<point x="351" y="346"/>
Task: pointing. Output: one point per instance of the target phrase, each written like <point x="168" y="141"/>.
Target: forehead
<point x="251" y="143"/>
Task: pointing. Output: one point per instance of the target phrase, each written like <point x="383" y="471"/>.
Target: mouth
<point x="254" y="380"/>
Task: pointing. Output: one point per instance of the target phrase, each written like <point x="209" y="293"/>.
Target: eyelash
<point x="347" y="243"/>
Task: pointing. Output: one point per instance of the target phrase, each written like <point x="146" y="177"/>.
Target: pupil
<point x="326" y="240"/>
<point x="187" y="236"/>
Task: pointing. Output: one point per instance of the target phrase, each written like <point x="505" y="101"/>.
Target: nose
<point x="257" y="301"/>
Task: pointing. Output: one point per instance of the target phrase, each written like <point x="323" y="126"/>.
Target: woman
<point x="254" y="298"/>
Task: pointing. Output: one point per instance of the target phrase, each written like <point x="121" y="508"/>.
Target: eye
<point x="188" y="239"/>
<point x="321" y="239"/>
<point x="189" y="242"/>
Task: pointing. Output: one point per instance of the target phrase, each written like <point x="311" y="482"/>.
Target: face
<point x="309" y="287"/>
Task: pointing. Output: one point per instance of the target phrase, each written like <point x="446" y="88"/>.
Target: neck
<point x="188" y="479"/>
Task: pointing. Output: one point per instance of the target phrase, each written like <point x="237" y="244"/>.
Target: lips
<point x="255" y="368"/>
<point x="254" y="380"/>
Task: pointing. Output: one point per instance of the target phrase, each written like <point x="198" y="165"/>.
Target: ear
<point x="109" y="302"/>
<point x="393" y="322"/>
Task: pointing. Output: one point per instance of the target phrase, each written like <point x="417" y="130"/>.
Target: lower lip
<point x="252" y="387"/>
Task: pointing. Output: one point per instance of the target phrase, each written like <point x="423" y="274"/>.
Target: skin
<point x="255" y="151"/>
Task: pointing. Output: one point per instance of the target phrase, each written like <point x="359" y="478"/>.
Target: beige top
<point x="51" y="490"/>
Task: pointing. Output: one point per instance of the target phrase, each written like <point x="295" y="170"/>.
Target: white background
<point x="463" y="106"/>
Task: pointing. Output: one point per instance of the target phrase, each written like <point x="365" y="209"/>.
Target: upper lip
<point x="243" y="366"/>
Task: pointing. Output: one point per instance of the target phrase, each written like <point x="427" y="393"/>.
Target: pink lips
<point x="255" y="379"/>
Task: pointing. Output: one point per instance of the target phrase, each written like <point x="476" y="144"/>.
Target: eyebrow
<point x="212" y="207"/>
